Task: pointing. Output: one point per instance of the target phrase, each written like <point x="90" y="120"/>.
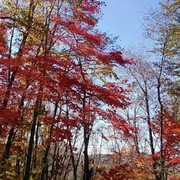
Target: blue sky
<point x="124" y="18"/>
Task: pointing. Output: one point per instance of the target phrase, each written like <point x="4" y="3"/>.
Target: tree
<point x="51" y="61"/>
<point x="162" y="29"/>
<point x="146" y="97"/>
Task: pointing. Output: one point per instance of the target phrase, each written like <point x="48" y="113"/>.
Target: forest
<point x="76" y="106"/>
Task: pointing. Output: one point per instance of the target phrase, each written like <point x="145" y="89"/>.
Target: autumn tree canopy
<point x="54" y="69"/>
<point x="66" y="109"/>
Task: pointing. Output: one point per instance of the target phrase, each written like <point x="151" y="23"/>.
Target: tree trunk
<point x="8" y="146"/>
<point x="45" y="159"/>
<point x="31" y="145"/>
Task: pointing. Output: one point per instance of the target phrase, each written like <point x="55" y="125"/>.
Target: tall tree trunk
<point x="8" y="146"/>
<point x="74" y="165"/>
<point x="87" y="171"/>
<point x="53" y="161"/>
<point x="162" y="160"/>
<point x="145" y="92"/>
<point x="45" y="159"/>
<point x="156" y="173"/>
<point x="31" y="144"/>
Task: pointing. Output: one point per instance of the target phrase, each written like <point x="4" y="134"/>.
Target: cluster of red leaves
<point x="90" y="43"/>
<point x="171" y="136"/>
<point x="173" y="178"/>
<point x="3" y="43"/>
<point x="123" y="172"/>
<point x="9" y="117"/>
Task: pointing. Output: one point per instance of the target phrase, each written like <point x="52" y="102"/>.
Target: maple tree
<point x="51" y="59"/>
<point x="171" y="137"/>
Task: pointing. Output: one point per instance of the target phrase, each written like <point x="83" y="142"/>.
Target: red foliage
<point x="116" y="172"/>
<point x="174" y="178"/>
<point x="171" y="136"/>
<point x="117" y="57"/>
<point x="3" y="39"/>
<point x="52" y="68"/>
